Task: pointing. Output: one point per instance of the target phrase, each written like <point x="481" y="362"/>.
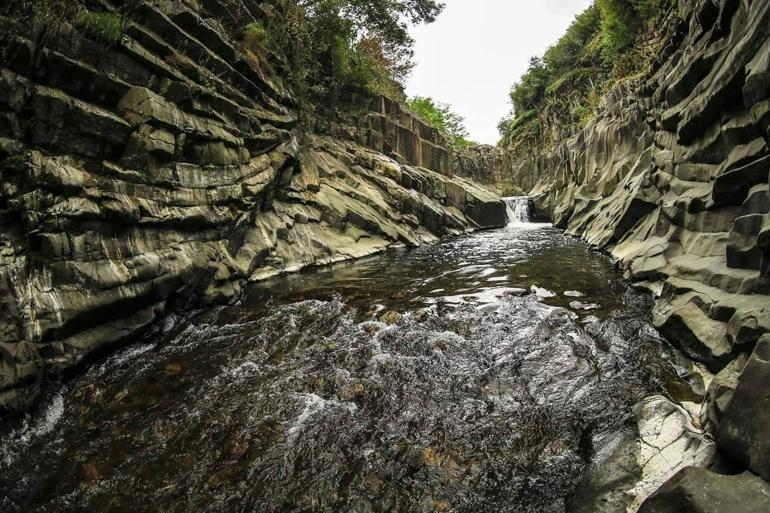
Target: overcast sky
<point x="471" y="56"/>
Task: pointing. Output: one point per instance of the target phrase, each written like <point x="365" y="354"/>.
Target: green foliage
<point x="371" y="70"/>
<point x="442" y="117"/>
<point x="620" y="23"/>
<point x="255" y="38"/>
<point x="51" y="19"/>
<point x="570" y="50"/>
<point x="106" y="27"/>
<point x="529" y="92"/>
<point x="510" y="125"/>
<point x="563" y="57"/>
<point x="565" y="86"/>
<point x="649" y="9"/>
<point x="329" y="47"/>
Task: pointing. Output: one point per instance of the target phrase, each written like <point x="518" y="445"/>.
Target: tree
<point x="442" y="117"/>
<point x="383" y="21"/>
<point x="527" y="93"/>
<point x="331" y="45"/>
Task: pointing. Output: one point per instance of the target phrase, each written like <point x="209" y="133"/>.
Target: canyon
<point x="170" y="171"/>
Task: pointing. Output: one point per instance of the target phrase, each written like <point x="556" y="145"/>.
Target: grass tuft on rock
<point x="106" y="27"/>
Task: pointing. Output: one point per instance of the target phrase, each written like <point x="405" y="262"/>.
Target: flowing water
<point x="474" y="375"/>
<point x="518" y="209"/>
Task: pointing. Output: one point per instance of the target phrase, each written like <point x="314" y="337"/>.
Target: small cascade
<point x="518" y="209"/>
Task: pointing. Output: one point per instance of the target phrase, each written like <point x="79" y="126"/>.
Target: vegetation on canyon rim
<point x="442" y="117"/>
<point x="326" y="50"/>
<point x="610" y="42"/>
<point x="330" y="48"/>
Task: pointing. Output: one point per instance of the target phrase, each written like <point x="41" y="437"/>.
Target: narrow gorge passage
<point x="248" y="263"/>
<point x="490" y="372"/>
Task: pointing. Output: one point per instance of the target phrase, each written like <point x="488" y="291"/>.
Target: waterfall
<point x="518" y="209"/>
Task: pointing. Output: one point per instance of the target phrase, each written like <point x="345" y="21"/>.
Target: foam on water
<point x="32" y="428"/>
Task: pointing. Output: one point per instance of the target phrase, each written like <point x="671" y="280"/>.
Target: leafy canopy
<point x="442" y="117"/>
<point x="335" y="45"/>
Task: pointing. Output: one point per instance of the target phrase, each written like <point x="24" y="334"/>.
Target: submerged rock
<point x="577" y="305"/>
<point x="391" y="317"/>
<point x="541" y="292"/>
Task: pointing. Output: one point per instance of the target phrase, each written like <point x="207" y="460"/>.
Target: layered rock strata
<point x="168" y="169"/>
<point x="672" y="179"/>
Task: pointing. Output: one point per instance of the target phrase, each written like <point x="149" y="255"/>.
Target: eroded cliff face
<point x="672" y="179"/>
<point x="168" y="170"/>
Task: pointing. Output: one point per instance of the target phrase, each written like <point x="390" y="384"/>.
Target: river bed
<point x="495" y="371"/>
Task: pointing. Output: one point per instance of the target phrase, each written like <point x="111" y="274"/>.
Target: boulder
<point x="688" y="327"/>
<point x="744" y="433"/>
<point x="667" y="442"/>
<point x="720" y="392"/>
<point x="742" y="250"/>
<point x="697" y="490"/>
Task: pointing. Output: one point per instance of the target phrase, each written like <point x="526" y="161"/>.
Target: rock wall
<point x="672" y="179"/>
<point x="168" y="169"/>
<point x="490" y="166"/>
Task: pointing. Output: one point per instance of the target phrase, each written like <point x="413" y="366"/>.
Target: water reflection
<point x="480" y="269"/>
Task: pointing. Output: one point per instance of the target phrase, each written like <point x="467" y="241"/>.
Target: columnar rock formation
<point x="168" y="169"/>
<point x="672" y="179"/>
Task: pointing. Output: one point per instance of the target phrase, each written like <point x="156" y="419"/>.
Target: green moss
<point x="106" y="27"/>
<point x="255" y="37"/>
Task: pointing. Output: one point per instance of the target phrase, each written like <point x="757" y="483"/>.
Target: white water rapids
<point x="520" y="211"/>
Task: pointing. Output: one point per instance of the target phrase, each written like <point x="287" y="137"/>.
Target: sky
<point x="475" y="51"/>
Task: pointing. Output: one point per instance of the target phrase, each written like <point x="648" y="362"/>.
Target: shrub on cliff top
<point x="620" y="23"/>
<point x="442" y="117"/>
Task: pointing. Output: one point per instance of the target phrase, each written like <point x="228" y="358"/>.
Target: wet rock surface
<point x="697" y="490"/>
<point x="168" y="170"/>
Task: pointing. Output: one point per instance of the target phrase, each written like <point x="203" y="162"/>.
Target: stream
<point x="478" y="374"/>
